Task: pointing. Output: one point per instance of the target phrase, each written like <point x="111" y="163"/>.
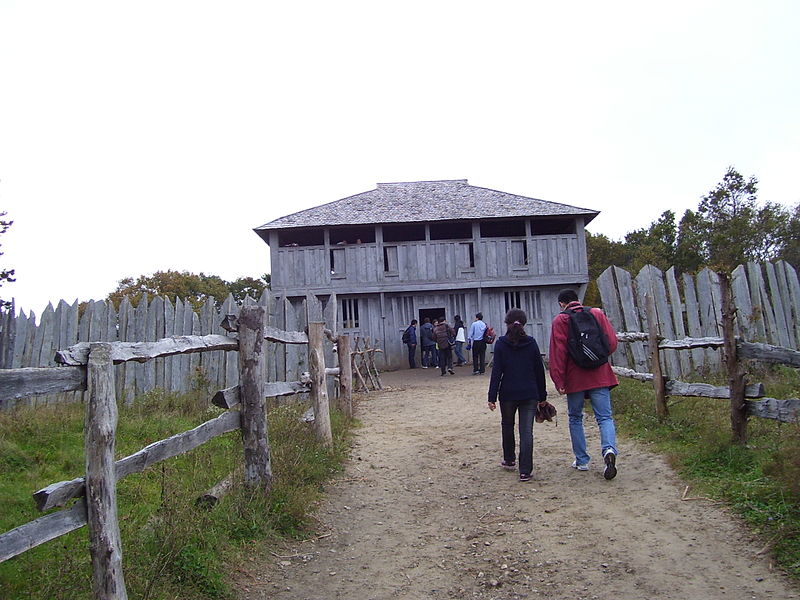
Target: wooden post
<point x="101" y="480"/>
<point x="319" y="389"/>
<point x="345" y="374"/>
<point x="257" y="466"/>
<point x="659" y="385"/>
<point x="736" y="375"/>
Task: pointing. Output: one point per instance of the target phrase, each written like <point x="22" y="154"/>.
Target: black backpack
<point x="587" y="343"/>
<point x="406" y="336"/>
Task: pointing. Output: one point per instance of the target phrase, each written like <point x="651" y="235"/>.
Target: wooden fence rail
<point x="787" y="411"/>
<point x="91" y="367"/>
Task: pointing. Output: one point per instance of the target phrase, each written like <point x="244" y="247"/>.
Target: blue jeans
<point x="527" y="411"/>
<point x="429" y="356"/>
<point x="601" y="404"/>
<point x="460" y="353"/>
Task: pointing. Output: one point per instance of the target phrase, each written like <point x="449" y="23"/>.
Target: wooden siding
<point x="297" y="269"/>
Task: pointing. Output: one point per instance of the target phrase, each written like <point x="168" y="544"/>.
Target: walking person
<point x="461" y="338"/>
<point x="427" y="342"/>
<point x="478" y="343"/>
<point x="518" y="381"/>
<point x="579" y="383"/>
<point x="443" y="334"/>
<point x="410" y="340"/>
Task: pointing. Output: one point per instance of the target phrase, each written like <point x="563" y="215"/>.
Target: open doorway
<point x="431" y="313"/>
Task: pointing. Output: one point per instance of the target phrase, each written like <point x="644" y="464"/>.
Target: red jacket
<point x="563" y="370"/>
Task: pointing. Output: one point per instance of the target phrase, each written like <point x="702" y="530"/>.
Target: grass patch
<point x="172" y="548"/>
<point x="760" y="481"/>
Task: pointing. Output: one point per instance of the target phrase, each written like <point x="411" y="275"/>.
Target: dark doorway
<point x="431" y="313"/>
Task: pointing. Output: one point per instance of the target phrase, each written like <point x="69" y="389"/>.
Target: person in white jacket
<point x="461" y="338"/>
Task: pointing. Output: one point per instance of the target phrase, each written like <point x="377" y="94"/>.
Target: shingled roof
<point x="424" y="201"/>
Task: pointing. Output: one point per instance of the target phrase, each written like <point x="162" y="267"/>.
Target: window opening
<point x="503" y="229"/>
<point x="458" y="230"/>
<point x="552" y="226"/>
<point x="350" y="313"/>
<point x="408" y="232"/>
<point x="519" y="253"/>
<point x="343" y="236"/>
<point x="513" y="300"/>
<point x="338" y="262"/>
<point x="301" y="237"/>
<point x="390" y="259"/>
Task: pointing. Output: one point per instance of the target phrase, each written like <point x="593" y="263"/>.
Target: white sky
<point x="149" y="135"/>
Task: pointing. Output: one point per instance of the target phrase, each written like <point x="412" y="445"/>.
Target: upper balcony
<point x="394" y="258"/>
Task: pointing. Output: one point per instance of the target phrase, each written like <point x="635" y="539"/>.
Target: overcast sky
<point x="144" y="136"/>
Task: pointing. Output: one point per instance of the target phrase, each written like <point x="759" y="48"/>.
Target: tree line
<point x="729" y="227"/>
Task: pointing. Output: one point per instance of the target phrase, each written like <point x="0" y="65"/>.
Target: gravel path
<point x="424" y="511"/>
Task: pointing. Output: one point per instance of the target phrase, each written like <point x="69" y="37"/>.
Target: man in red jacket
<point x="579" y="383"/>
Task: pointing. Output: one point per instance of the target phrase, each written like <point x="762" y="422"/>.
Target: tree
<point x="172" y="284"/>
<point x="654" y="245"/>
<point x="689" y="244"/>
<point x="6" y="275"/>
<point x="790" y="248"/>
<point x="248" y="286"/>
<point x="734" y="228"/>
<point x="190" y="287"/>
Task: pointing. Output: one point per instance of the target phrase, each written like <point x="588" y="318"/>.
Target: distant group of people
<point x="438" y="340"/>
<point x="518" y="376"/>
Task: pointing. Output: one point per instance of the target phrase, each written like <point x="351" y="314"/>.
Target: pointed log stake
<point x="101" y="481"/>
<point x="258" y="469"/>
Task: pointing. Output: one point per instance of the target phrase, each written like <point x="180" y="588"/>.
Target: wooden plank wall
<point x="24" y="342"/>
<point x="767" y="297"/>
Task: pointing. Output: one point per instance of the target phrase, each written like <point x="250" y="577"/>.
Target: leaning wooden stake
<point x="736" y="375"/>
<point x="345" y="375"/>
<point x="257" y="466"/>
<point x="659" y="383"/>
<point x="101" y="481"/>
<point x="319" y="389"/>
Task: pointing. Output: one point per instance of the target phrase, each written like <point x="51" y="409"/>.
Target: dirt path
<point x="424" y="511"/>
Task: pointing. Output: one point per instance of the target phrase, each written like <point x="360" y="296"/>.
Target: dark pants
<point x="412" y="356"/>
<point x="445" y="360"/>
<point x="527" y="411"/>
<point x="429" y="356"/>
<point x="479" y="356"/>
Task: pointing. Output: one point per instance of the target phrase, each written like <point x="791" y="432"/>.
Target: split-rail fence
<point x="90" y="366"/>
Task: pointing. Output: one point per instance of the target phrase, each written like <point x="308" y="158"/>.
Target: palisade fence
<point x="24" y="342"/>
<point x="91" y="366"/>
<point x="766" y="297"/>
<point x="728" y="319"/>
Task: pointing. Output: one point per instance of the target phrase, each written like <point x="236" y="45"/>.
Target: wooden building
<point x="429" y="249"/>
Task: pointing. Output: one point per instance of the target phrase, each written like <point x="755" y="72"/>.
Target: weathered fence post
<point x="658" y="378"/>
<point x="345" y="374"/>
<point x="257" y="466"/>
<point x="319" y="391"/>
<point x="101" y="480"/>
<point x="736" y="375"/>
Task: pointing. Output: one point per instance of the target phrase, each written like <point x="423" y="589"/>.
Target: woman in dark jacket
<point x="518" y="380"/>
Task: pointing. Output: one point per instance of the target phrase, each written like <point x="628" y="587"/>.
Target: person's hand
<point x="562" y="390"/>
<point x="492" y="405"/>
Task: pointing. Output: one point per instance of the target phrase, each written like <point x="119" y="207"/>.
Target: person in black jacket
<point x="519" y="382"/>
